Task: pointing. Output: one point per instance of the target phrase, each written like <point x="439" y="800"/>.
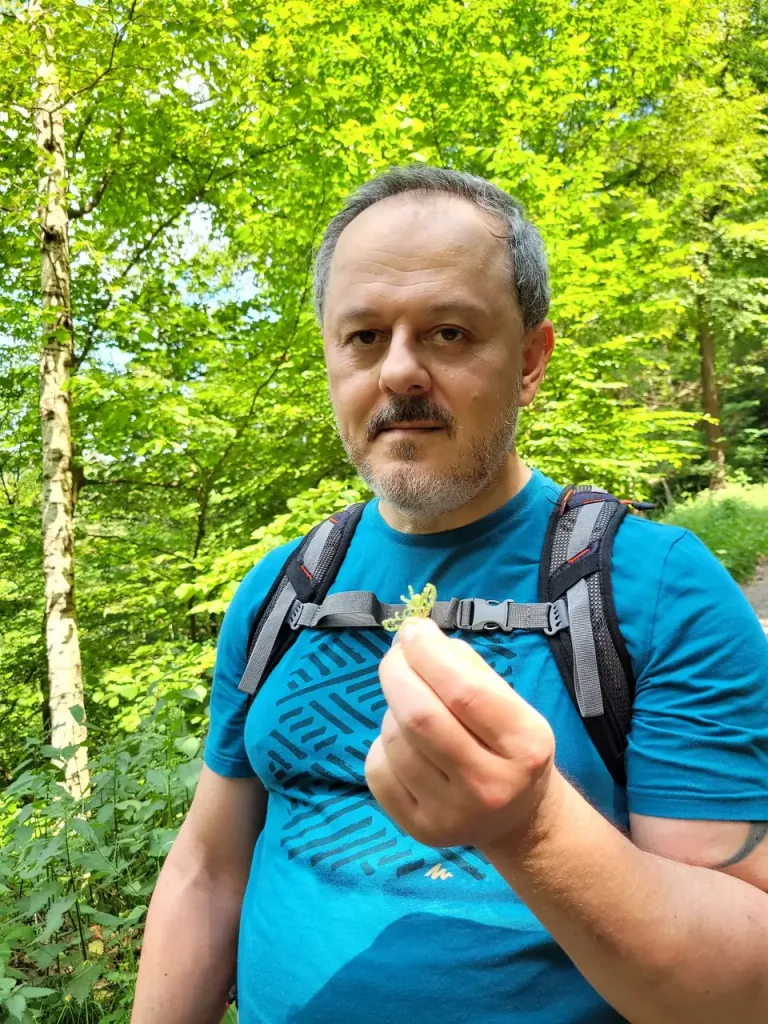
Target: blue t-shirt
<point x="346" y="919"/>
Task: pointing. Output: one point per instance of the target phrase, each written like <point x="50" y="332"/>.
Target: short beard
<point x="421" y="494"/>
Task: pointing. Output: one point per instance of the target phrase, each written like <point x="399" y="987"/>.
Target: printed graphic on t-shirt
<point x="326" y="721"/>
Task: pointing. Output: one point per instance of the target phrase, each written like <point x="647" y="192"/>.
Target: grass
<point x="733" y="523"/>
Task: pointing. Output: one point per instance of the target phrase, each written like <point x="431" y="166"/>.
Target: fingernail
<point x="411" y="628"/>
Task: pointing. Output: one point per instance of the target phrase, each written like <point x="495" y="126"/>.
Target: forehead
<point x="413" y="248"/>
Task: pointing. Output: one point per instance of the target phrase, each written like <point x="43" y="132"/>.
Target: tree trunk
<point x="65" y="683"/>
<point x="710" y="400"/>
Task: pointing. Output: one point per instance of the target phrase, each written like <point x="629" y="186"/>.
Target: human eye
<point x="364" y="339"/>
<point x="449" y="335"/>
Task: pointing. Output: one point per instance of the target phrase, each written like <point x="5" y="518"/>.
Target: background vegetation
<point x="192" y="152"/>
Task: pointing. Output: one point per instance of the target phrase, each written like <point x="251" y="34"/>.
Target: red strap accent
<point x="580" y="554"/>
<point x="306" y="572"/>
<point x="566" y="499"/>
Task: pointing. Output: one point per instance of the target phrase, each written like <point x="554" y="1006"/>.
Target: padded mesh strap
<point x="317" y="544"/>
<point x="268" y="634"/>
<point x="585" y="671"/>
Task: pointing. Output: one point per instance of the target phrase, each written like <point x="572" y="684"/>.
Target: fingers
<point x="418" y="773"/>
<point x="475" y="695"/>
<point x="393" y="795"/>
<point x="425" y="721"/>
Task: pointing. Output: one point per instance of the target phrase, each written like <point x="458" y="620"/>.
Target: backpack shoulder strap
<point x="306" y="576"/>
<point x="591" y="655"/>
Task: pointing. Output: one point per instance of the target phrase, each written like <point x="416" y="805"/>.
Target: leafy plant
<point x="76" y="876"/>
<point x="418" y="605"/>
<point x="733" y="523"/>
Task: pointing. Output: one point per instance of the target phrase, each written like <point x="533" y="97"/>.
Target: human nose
<point x="403" y="371"/>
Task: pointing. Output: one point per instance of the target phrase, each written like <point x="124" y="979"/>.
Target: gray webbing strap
<point x="361" y="609"/>
<point x="353" y="608"/>
<point x="267" y="638"/>
<point x="286" y="595"/>
<point x="586" y="677"/>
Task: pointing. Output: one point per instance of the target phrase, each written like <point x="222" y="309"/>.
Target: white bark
<point x="64" y="669"/>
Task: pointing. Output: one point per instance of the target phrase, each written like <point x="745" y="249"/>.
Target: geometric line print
<point x="328" y="717"/>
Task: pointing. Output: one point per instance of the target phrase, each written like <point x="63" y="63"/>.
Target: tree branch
<point x="118" y="38"/>
<point x="126" y="482"/>
<point x="87" y="121"/>
<point x="9" y="499"/>
<point x="76" y="212"/>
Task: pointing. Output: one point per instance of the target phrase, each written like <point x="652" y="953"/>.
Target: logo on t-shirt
<point x="438" y="871"/>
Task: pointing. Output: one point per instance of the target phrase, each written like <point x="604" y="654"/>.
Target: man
<point x="420" y="840"/>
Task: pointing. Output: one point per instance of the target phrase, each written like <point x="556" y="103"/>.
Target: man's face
<point x="426" y="354"/>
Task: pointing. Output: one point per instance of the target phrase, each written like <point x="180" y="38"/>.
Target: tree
<point x="65" y="684"/>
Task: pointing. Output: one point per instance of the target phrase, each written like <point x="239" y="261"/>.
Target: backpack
<point x="575" y="610"/>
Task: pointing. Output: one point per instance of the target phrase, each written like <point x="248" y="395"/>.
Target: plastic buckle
<point x="294" y="614"/>
<point x="558" y="617"/>
<point x="480" y="615"/>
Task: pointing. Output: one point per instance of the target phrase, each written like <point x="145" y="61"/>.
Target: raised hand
<point x="462" y="760"/>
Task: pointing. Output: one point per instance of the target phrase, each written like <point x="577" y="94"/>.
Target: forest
<point x="167" y="168"/>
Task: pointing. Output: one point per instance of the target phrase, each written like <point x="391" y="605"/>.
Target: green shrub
<point x="733" y="523"/>
<point x="76" y="877"/>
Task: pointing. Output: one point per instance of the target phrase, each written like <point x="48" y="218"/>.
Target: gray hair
<point x="528" y="271"/>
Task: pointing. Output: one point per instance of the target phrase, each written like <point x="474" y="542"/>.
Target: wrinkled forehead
<point x="419" y="243"/>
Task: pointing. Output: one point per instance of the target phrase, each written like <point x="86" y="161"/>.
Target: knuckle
<point x="538" y="749"/>
<point x="495" y="795"/>
<point x="464" y="700"/>
<point x="418" y="720"/>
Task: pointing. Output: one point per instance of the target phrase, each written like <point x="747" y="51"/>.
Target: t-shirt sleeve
<point x="698" y="747"/>
<point x="225" y="751"/>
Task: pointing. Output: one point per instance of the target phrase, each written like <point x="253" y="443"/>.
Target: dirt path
<point x="757" y="593"/>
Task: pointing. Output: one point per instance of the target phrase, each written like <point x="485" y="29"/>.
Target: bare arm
<point x="663" y="942"/>
<point x="190" y="944"/>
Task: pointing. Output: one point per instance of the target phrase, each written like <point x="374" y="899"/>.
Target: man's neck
<point x="512" y="477"/>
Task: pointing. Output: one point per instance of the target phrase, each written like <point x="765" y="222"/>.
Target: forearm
<point x="189" y="950"/>
<point x="662" y="942"/>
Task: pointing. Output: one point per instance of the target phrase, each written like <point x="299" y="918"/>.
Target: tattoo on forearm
<point x="758" y="831"/>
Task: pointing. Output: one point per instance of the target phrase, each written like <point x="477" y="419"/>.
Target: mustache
<point x="409" y="410"/>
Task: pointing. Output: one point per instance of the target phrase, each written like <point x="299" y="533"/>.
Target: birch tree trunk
<point x="65" y="683"/>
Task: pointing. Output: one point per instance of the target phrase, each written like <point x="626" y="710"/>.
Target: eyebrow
<point x="471" y="309"/>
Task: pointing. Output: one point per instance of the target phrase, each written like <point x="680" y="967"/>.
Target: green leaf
<point x="78" y="713"/>
<point x="196" y="693"/>
<point x="188" y="773"/>
<point x="84" y="980"/>
<point x="188" y="746"/>
<point x="55" y="916"/>
<point x="100" y="917"/>
<point x="161" y="841"/>
<point x="83" y="828"/>
<point x="30" y="992"/>
<point x="16" y="1005"/>
<point x="136" y="914"/>
<point x="36" y="900"/>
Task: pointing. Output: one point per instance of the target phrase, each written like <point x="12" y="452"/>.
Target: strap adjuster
<point x="558" y="617"/>
<point x="479" y="615"/>
<point x="294" y="614"/>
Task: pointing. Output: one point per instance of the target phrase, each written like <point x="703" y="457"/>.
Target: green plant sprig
<point x="418" y="605"/>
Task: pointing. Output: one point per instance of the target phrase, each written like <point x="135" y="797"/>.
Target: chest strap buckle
<point x="479" y="615"/>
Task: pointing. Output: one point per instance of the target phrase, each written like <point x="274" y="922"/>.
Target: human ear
<point x="538" y="344"/>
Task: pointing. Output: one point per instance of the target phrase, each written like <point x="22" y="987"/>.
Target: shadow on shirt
<point x="428" y="969"/>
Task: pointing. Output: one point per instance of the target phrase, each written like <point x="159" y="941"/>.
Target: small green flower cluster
<point x="419" y="605"/>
